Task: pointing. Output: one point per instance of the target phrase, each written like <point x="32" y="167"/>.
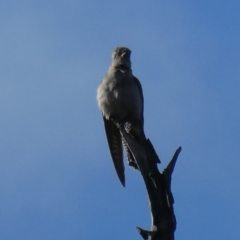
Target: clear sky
<point x="57" y="180"/>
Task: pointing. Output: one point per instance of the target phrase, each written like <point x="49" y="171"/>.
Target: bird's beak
<point x="124" y="53"/>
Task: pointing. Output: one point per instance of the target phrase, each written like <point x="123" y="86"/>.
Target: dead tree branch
<point x="158" y="186"/>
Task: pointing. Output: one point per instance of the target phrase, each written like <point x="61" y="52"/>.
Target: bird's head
<point x="121" y="56"/>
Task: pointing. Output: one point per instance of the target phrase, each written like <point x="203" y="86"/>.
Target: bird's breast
<point x="120" y="98"/>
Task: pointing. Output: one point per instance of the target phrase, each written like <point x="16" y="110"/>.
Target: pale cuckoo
<point x="120" y="99"/>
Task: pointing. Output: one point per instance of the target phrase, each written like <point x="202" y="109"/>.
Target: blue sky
<point x="57" y="180"/>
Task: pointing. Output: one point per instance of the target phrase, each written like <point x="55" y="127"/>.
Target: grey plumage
<point x="120" y="99"/>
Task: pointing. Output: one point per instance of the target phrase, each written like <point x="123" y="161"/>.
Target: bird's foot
<point x="116" y="122"/>
<point x="128" y="128"/>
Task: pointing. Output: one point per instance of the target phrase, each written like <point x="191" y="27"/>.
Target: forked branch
<point x="158" y="186"/>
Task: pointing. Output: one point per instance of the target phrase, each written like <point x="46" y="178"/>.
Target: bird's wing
<point x="115" y="146"/>
<point x="138" y="84"/>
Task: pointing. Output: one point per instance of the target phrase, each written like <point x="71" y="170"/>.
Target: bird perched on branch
<point x="120" y="99"/>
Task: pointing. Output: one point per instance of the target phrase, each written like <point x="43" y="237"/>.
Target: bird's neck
<point x="123" y="67"/>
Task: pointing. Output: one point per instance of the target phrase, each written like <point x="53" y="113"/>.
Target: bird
<point x="120" y="99"/>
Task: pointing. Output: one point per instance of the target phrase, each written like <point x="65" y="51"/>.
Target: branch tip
<point x="144" y="233"/>
<point x="170" y="167"/>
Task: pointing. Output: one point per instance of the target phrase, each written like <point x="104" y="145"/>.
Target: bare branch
<point x="158" y="186"/>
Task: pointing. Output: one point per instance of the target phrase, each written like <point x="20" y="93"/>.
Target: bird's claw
<point x="128" y="127"/>
<point x="116" y="122"/>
